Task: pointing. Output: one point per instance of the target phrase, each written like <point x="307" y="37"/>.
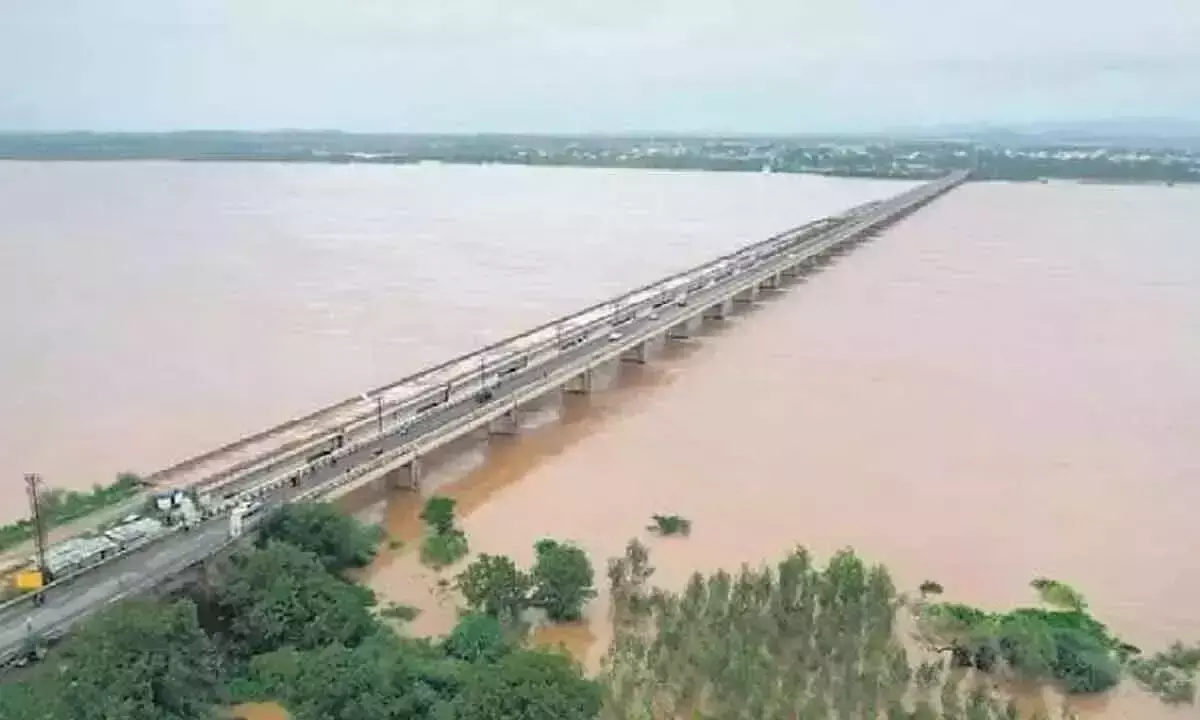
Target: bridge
<point x="383" y="435"/>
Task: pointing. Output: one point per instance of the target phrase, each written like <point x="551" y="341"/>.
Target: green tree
<point x="527" y="685"/>
<point x="385" y="678"/>
<point x="563" y="580"/>
<point x="477" y="638"/>
<point x="494" y="585"/>
<point x="438" y="551"/>
<point x="279" y="595"/>
<point x="670" y="525"/>
<point x="444" y="544"/>
<point x="931" y="587"/>
<point x="338" y="540"/>
<point x="1027" y="645"/>
<point x="135" y="661"/>
<point x="439" y="514"/>
<point x="1059" y="594"/>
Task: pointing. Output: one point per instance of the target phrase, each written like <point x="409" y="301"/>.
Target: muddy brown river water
<point x="1004" y="386"/>
<point x="1007" y="385"/>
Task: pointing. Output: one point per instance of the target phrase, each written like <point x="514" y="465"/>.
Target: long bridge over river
<point x="382" y="435"/>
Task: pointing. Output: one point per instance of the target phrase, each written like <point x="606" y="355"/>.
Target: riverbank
<point x="883" y="173"/>
<point x="873" y="156"/>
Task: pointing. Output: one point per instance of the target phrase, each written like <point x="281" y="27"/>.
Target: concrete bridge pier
<point x="720" y="311"/>
<point x="792" y="271"/>
<point x="507" y="424"/>
<point x="407" y="476"/>
<point x="581" y="384"/>
<point x="772" y="282"/>
<point x="748" y="295"/>
<point x="646" y="351"/>
<point x="597" y="377"/>
<point x="686" y="329"/>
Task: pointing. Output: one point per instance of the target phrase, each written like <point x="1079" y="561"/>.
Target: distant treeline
<point x="847" y="156"/>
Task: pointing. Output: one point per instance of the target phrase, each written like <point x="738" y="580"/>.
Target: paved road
<point x="154" y="563"/>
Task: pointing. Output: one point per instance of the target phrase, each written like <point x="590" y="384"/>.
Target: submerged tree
<point x="562" y="580"/>
<point x="494" y="585"/>
<point x="1062" y="644"/>
<point x="930" y="587"/>
<point x="788" y="641"/>
<point x="438" y="514"/>
<point x="1059" y="594"/>
<point x="444" y="543"/>
<point x="671" y="525"/>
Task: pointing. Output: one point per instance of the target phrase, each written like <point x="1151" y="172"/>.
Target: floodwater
<point x="152" y="311"/>
<point x="1004" y="386"/>
<point x="258" y="711"/>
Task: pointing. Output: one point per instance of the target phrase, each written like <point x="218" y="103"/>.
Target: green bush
<point x="495" y="586"/>
<point x="562" y="580"/>
<point x="929" y="587"/>
<point x="1059" y="594"/>
<point x="438" y="551"/>
<point x="438" y="514"/>
<point x="403" y="613"/>
<point x="340" y="541"/>
<point x="478" y="637"/>
<point x="671" y="525"/>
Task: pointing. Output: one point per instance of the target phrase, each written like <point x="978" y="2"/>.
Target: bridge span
<point x="383" y="434"/>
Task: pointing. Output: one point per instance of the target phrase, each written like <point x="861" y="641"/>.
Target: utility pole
<point x="32" y="481"/>
<point x="379" y="411"/>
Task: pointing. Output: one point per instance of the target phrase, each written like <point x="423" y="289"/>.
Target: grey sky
<point x="595" y="65"/>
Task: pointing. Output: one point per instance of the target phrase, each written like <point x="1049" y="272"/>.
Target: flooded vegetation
<point x="1062" y="644"/>
<point x="789" y="641"/>
<point x="444" y="543"/>
<point x="670" y="525"/>
<point x="276" y="629"/>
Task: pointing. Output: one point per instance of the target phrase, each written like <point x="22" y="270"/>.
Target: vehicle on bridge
<point x="573" y="341"/>
<point x="509" y="364"/>
<point x="82" y="552"/>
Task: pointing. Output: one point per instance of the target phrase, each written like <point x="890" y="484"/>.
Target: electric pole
<point x="32" y="481"/>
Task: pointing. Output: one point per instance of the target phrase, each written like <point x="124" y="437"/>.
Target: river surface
<point x="153" y="311"/>
<point x="1005" y="385"/>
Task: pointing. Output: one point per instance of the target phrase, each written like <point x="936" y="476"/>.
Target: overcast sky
<point x="591" y="65"/>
